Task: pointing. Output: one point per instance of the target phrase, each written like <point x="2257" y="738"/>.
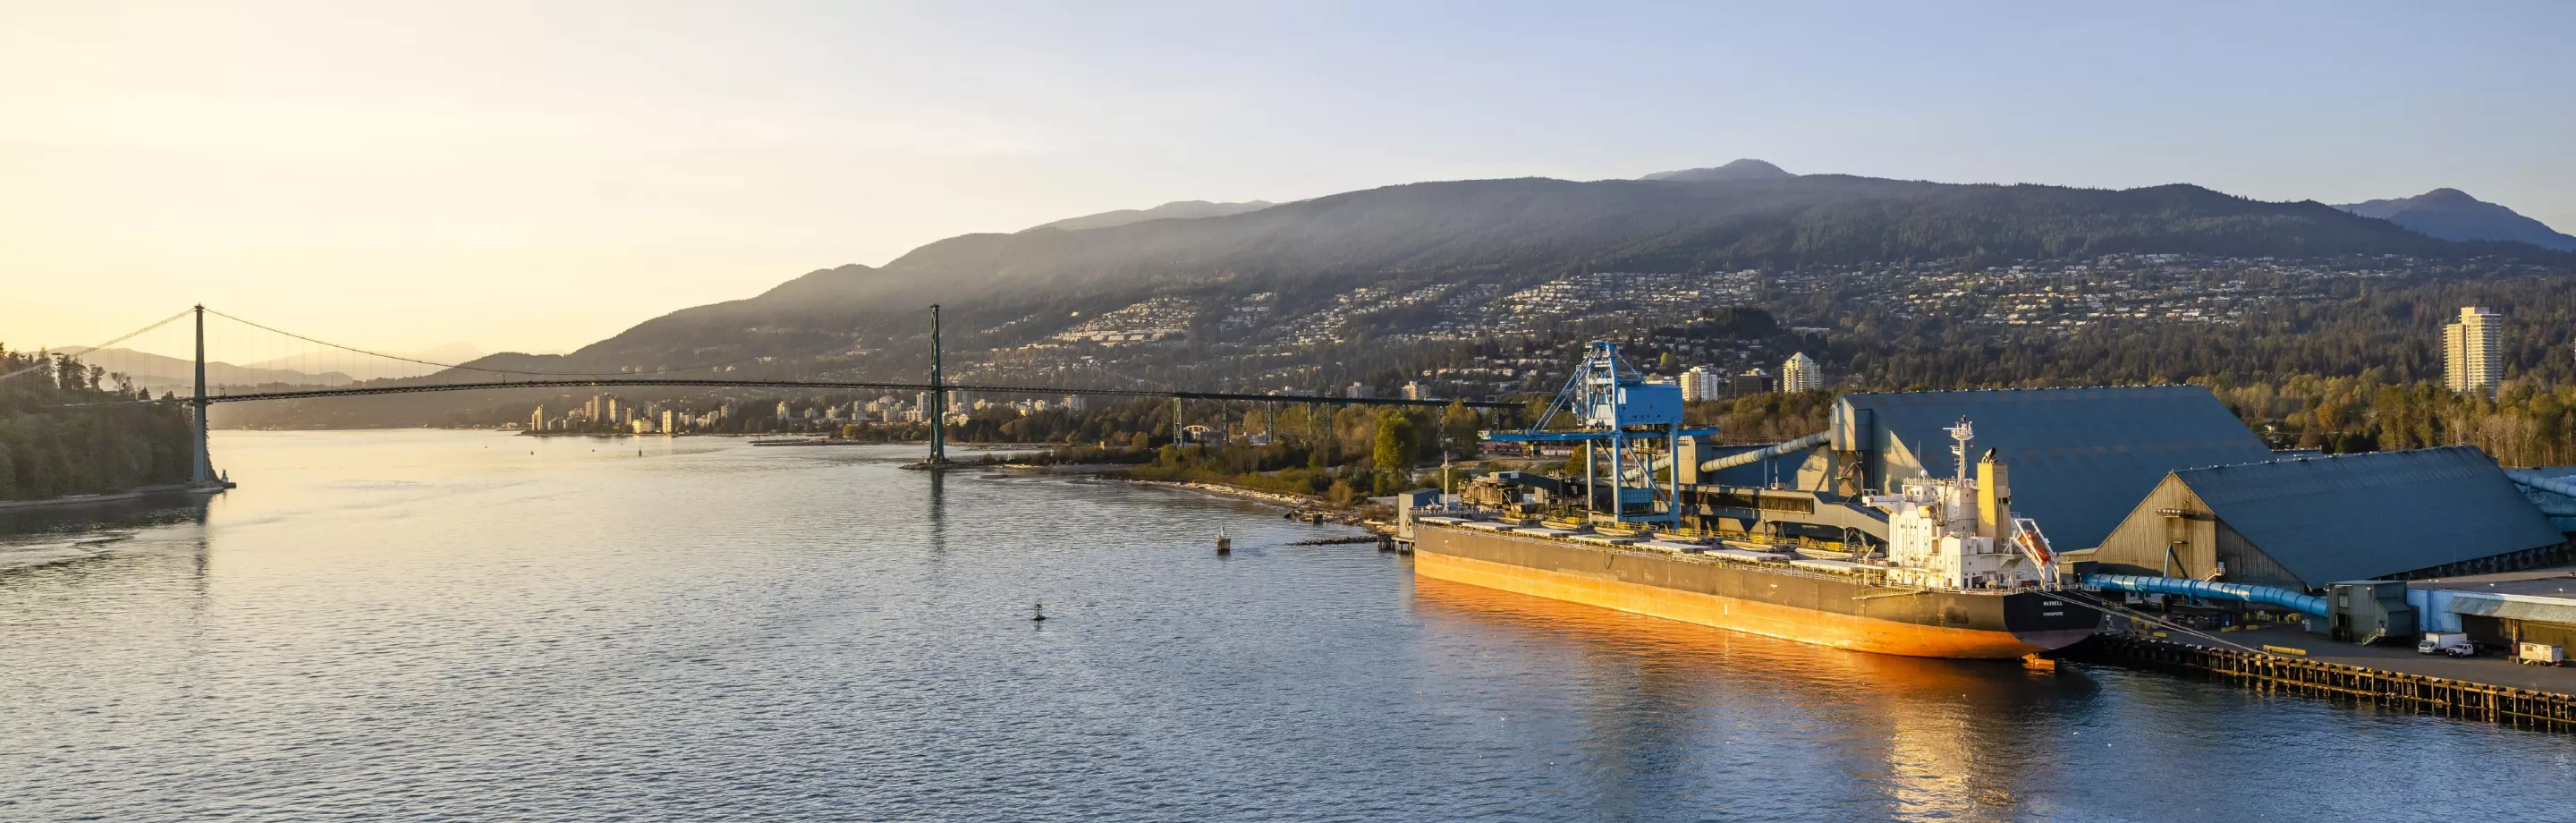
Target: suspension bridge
<point x="300" y="367"/>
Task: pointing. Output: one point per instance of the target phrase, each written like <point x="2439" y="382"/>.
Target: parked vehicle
<point x="2540" y="654"/>
<point x="2455" y="644"/>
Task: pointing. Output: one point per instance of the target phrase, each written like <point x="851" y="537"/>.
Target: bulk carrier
<point x="1958" y="575"/>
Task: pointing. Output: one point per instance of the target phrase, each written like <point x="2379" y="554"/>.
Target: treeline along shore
<point x="51" y="448"/>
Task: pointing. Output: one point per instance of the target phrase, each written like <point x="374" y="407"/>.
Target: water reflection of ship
<point x="1935" y="738"/>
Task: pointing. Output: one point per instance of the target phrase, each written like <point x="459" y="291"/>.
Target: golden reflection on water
<point x="1945" y="739"/>
<point x="469" y="626"/>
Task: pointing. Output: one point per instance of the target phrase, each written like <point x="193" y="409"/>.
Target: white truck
<point x="2455" y="644"/>
<point x="2540" y="654"/>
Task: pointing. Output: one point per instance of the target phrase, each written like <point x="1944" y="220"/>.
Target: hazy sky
<point x="535" y="176"/>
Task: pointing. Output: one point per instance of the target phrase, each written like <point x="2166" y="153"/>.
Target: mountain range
<point x="1745" y="169"/>
<point x="369" y="368"/>
<point x="1357" y="268"/>
<point x="1737" y="216"/>
<point x="161" y="372"/>
<point x="1175" y="210"/>
<point x="1010" y="289"/>
<point x="2451" y="214"/>
<point x="164" y="373"/>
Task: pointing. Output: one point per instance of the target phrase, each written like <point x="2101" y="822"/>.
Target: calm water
<point x="447" y="626"/>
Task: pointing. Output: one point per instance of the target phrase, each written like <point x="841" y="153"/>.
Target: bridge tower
<point x="938" y="410"/>
<point x="203" y="473"/>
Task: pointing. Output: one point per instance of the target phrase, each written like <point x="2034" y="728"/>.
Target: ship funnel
<point x="1994" y="497"/>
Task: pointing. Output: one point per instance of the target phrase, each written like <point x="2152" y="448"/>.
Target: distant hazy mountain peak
<point x="2451" y="214"/>
<point x="1177" y="209"/>
<point x="454" y="352"/>
<point x="1744" y="169"/>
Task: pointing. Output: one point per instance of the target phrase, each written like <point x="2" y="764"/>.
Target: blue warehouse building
<point x="2079" y="457"/>
<point x="2307" y="522"/>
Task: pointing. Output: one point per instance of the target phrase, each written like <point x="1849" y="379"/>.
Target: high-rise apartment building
<point x="1801" y="374"/>
<point x="2471" y="358"/>
<point x="1752" y="381"/>
<point x="1701" y="384"/>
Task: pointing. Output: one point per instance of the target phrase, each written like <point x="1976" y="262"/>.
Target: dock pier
<point x="2425" y="694"/>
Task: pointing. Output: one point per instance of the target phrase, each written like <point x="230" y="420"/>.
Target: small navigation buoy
<point x="1224" y="544"/>
<point x="1040" y="617"/>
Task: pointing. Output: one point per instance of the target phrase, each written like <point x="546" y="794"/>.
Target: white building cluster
<point x="604" y="413"/>
<point x="1798" y="373"/>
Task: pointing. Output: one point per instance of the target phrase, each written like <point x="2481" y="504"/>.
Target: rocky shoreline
<point x="1294" y="506"/>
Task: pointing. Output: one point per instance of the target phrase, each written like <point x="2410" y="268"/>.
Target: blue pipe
<point x="2266" y="595"/>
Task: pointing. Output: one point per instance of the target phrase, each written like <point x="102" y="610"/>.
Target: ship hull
<point x="1824" y="609"/>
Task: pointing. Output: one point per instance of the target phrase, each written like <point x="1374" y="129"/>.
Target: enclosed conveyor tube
<point x="2266" y="595"/>
<point x="1734" y="460"/>
<point x="2560" y="486"/>
<point x="1747" y="458"/>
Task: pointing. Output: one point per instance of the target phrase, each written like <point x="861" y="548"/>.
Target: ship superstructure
<point x="1960" y="533"/>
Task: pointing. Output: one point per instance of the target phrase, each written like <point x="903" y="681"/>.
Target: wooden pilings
<point x="2272" y="672"/>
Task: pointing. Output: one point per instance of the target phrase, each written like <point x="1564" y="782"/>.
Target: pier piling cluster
<point x="2274" y="672"/>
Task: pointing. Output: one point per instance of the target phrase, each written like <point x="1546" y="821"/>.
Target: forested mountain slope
<point x="1500" y="229"/>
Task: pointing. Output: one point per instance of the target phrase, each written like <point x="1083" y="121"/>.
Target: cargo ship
<point x="1958" y="576"/>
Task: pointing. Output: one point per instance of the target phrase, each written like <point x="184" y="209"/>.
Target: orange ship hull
<point x="1788" y="622"/>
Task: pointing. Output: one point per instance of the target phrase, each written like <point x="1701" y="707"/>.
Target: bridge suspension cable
<point x="118" y="339"/>
<point x="252" y="368"/>
<point x="852" y="335"/>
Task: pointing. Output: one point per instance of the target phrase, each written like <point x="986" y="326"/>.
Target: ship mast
<point x="1964" y="433"/>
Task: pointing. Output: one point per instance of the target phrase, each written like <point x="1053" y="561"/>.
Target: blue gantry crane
<point x="1612" y="405"/>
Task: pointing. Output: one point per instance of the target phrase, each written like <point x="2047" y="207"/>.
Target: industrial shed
<point x="2303" y="523"/>
<point x="2079" y="457"/>
<point x="2504" y="609"/>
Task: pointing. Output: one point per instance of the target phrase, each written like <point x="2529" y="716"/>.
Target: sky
<point x="531" y="176"/>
